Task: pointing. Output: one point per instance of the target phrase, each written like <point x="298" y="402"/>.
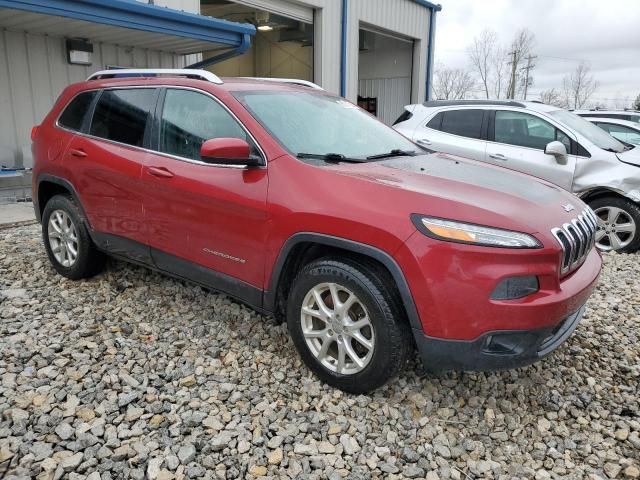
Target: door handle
<point x="497" y="156"/>
<point x="160" y="172"/>
<point x="78" y="152"/>
<point x="424" y="141"/>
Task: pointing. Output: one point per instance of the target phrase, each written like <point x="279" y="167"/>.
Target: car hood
<point x="631" y="157"/>
<point x="472" y="191"/>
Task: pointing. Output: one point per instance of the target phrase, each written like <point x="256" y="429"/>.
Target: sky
<point x="604" y="33"/>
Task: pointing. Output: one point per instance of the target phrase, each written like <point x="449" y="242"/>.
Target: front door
<point x="519" y="141"/>
<point x="206" y="222"/>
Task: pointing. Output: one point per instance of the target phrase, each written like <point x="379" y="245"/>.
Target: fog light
<point x="515" y="287"/>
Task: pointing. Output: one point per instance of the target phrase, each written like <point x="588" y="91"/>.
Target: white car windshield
<point x="591" y="132"/>
<point x="319" y="125"/>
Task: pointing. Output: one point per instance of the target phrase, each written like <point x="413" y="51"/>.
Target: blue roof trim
<point x="343" y="49"/>
<point x="433" y="6"/>
<point x="140" y="16"/>
<point x="432" y="39"/>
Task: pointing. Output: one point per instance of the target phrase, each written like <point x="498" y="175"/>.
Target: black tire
<point x="631" y="210"/>
<point x="89" y="260"/>
<point x="393" y="343"/>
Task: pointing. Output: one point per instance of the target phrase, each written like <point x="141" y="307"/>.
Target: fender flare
<point x="45" y="177"/>
<point x="375" y="253"/>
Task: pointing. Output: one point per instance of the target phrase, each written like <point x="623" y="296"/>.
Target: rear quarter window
<point x="76" y="111"/>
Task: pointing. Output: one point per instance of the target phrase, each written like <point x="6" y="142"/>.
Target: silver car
<point x="624" y="130"/>
<point x="544" y="141"/>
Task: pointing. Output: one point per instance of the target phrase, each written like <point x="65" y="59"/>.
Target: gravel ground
<point x="135" y="375"/>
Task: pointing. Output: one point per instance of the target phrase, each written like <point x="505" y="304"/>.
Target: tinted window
<point x="406" y="115"/>
<point x="121" y="115"/>
<point x="466" y="123"/>
<point x="524" y="130"/>
<point x="76" y="111"/>
<point x="435" y="122"/>
<point x="189" y="118"/>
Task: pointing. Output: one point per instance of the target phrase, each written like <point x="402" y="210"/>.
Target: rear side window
<point x="406" y="115"/>
<point x="122" y="115"/>
<point x="435" y="122"/>
<point x="75" y="113"/>
<point x="465" y="123"/>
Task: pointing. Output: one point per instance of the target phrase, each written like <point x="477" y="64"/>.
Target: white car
<point x="623" y="130"/>
<point x="546" y="142"/>
<point x="629" y="115"/>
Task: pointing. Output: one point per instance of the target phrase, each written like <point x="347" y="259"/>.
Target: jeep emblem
<point x="568" y="207"/>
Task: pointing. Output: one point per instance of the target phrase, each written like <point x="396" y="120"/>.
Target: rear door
<point x="459" y="132"/>
<point x="517" y="140"/>
<point x="105" y="162"/>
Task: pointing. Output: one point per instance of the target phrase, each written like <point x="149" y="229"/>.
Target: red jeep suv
<point x="298" y="203"/>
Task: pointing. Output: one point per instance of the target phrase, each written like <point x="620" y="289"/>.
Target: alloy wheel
<point x="616" y="228"/>
<point x="63" y="238"/>
<point x="337" y="328"/>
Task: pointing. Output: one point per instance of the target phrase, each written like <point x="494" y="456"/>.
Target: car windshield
<point x="322" y="125"/>
<point x="591" y="132"/>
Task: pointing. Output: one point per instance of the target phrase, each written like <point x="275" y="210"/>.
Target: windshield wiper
<point x="330" y="157"/>
<point x="612" y="150"/>
<point x="396" y="152"/>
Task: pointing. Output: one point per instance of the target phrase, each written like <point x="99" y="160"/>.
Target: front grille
<point x="576" y="238"/>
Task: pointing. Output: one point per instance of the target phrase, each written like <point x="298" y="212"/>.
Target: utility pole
<point x="512" y="84"/>
<point x="530" y="66"/>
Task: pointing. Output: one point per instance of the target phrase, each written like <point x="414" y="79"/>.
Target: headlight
<point x="453" y="231"/>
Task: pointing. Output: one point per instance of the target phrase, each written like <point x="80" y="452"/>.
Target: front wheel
<point x="347" y="326"/>
<point x="618" y="224"/>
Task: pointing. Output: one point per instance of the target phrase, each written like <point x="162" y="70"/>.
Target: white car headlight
<point x="453" y="231"/>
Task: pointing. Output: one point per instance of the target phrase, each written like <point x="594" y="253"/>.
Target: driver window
<point x="189" y="119"/>
<point x="522" y="129"/>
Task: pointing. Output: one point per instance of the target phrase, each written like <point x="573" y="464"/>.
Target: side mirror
<point x="558" y="150"/>
<point x="228" y="151"/>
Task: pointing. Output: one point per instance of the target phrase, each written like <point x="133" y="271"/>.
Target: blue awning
<point x="126" y="22"/>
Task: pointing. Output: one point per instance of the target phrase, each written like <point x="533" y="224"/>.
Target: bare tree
<point x="480" y="54"/>
<point x="452" y="83"/>
<point x="520" y="49"/>
<point x="500" y="78"/>
<point x="579" y="86"/>
<point x="636" y="103"/>
<point x="552" y="97"/>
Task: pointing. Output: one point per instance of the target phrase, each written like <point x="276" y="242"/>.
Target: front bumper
<point x="495" y="350"/>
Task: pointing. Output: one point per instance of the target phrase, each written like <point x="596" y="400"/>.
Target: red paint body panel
<point x="206" y="214"/>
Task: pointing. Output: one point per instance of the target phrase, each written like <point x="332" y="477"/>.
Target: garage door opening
<point x="282" y="47"/>
<point x="385" y="66"/>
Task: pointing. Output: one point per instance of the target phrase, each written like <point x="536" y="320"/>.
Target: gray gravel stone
<point x="134" y="375"/>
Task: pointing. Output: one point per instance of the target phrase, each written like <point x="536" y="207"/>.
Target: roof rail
<point x="446" y="103"/>
<point x="157" y="72"/>
<point x="293" y="81"/>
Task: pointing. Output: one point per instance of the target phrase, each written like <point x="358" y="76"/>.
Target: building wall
<point x="385" y="73"/>
<point x="402" y="17"/>
<point x="34" y="70"/>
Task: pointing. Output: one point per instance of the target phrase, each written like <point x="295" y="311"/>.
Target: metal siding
<point x="404" y="18"/>
<point x="392" y="95"/>
<point x="33" y="72"/>
<point x="303" y="13"/>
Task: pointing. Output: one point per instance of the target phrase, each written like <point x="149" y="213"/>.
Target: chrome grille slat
<point x="576" y="238"/>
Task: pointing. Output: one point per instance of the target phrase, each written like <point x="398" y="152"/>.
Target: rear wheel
<point x="345" y="323"/>
<point x="67" y="241"/>
<point x="618" y="224"/>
